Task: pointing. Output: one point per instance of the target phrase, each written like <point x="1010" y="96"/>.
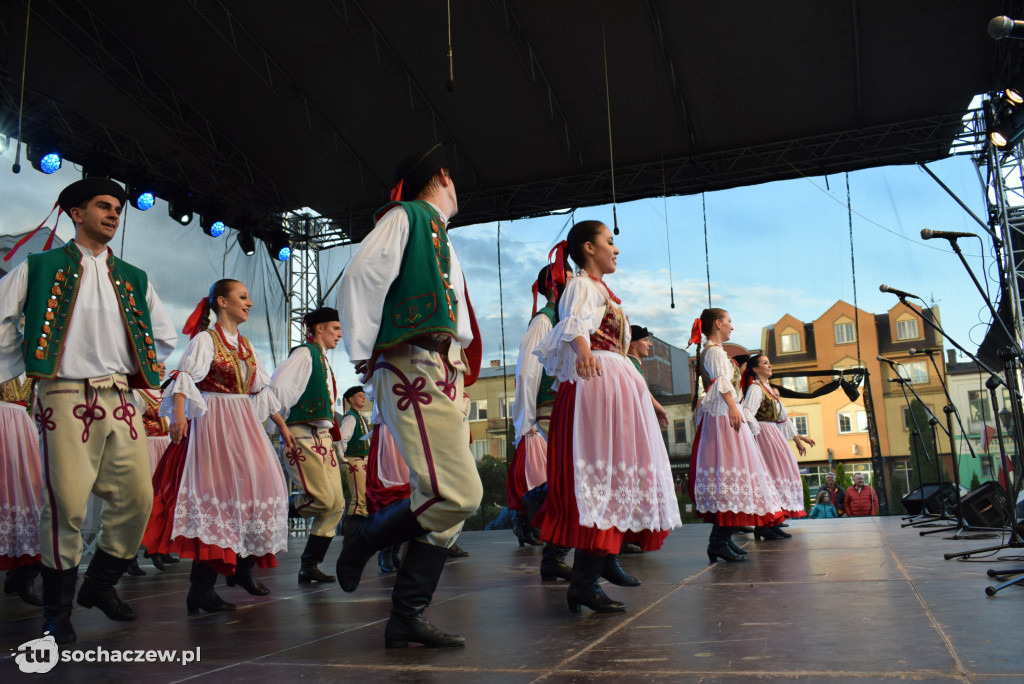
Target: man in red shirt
<point x="860" y="499"/>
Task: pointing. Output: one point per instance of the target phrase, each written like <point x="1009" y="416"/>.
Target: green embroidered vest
<point x="357" y="446"/>
<point x="546" y="395"/>
<point x="315" y="402"/>
<point x="54" y="278"/>
<point x="421" y="300"/>
<point x="639" y="366"/>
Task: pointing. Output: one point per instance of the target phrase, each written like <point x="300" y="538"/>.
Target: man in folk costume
<point x="94" y="327"/>
<point x="409" y="328"/>
<point x="355" y="449"/>
<point x="305" y="383"/>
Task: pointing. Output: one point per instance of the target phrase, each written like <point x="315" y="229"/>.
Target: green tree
<point x="975" y="481"/>
<point x="808" y="501"/>
<point x="493" y="477"/>
<point x="896" y="496"/>
<point x="843" y="481"/>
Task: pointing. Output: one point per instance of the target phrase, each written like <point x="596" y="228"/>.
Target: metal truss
<point x="303" y="290"/>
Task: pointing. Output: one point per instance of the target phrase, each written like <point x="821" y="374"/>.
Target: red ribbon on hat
<point x="535" y="287"/>
<point x="192" y="324"/>
<point x="396" y="192"/>
<point x="557" y="269"/>
<point x="695" y="333"/>
<point x="49" y="241"/>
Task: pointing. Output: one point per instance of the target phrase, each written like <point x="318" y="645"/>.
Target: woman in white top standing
<point x="219" y="491"/>
<point x="730" y="485"/>
<point x="609" y="479"/>
<point x="772" y="429"/>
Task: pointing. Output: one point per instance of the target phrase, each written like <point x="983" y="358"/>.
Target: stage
<point x="843" y="600"/>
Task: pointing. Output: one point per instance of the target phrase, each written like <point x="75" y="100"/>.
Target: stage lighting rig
<point x="247" y="242"/>
<point x="212" y="227"/>
<point x="1008" y="127"/>
<point x="44" y="158"/>
<point x="278" y="245"/>
<point x="179" y="210"/>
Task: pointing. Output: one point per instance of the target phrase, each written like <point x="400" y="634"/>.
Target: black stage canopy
<point x="257" y="108"/>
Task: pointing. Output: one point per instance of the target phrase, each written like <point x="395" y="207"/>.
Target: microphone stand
<point x="925" y="516"/>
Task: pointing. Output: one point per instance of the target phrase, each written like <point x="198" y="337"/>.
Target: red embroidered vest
<point x="226" y="375"/>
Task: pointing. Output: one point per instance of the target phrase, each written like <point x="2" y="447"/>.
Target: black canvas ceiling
<point x="257" y="108"/>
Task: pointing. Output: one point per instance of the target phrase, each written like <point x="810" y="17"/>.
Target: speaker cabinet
<point x="937" y="495"/>
<point x="986" y="506"/>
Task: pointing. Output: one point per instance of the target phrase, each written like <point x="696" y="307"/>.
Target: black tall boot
<point x="351" y="524"/>
<point x="585" y="589"/>
<point x="718" y="545"/>
<point x="316" y="549"/>
<point x="391" y="525"/>
<point x="21" y="581"/>
<point x="552" y="565"/>
<point x="58" y="597"/>
<point x="414" y="588"/>
<point x="98" y="587"/>
<point x="733" y="546"/>
<point x="614" y="573"/>
<point x="201" y="595"/>
<point x="244" y="578"/>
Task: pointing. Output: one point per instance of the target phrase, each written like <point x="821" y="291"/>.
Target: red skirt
<point x="157" y="539"/>
<point x="515" y="482"/>
<point x="559" y="517"/>
<point x="8" y="563"/>
<point x="378" y="495"/>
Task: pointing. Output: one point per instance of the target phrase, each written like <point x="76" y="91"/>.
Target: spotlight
<point x="212" y="228"/>
<point x="178" y="210"/>
<point x="279" y="246"/>
<point x="44" y="158"/>
<point x="1009" y="127"/>
<point x="1013" y="97"/>
<point x="140" y="198"/>
<point x="247" y="242"/>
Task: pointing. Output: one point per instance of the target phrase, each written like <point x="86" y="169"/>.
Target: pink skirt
<point x="609" y="479"/>
<point x="528" y="470"/>
<point x="157" y="446"/>
<point x="782" y="469"/>
<point x="21" y="487"/>
<point x="387" y="475"/>
<point x="220" y="494"/>
<point x="729" y="482"/>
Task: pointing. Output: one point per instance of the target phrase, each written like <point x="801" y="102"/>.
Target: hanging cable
<point x="668" y="243"/>
<point x="611" y="152"/>
<point x="16" y="168"/>
<point x="504" y="371"/>
<point x="853" y="270"/>
<point x="707" y="259"/>
<point x="451" y="61"/>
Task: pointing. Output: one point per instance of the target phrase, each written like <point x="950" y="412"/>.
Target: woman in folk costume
<point x="729" y="484"/>
<point x="609" y="479"/>
<point x="21" y="490"/>
<point x="772" y="429"/>
<point x="387" y="481"/>
<point x="220" y="495"/>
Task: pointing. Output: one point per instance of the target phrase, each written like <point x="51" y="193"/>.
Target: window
<point x="847" y="422"/>
<point x="844" y="333"/>
<point x="795" y="384"/>
<point x="801" y="425"/>
<point x="918" y="371"/>
<point x="680" y="428"/>
<point x="790" y="343"/>
<point x="505" y="406"/>
<point x="480" y="448"/>
<point x="908" y="422"/>
<point x="906" y="330"/>
<point x="901" y="472"/>
<point x="979" y="411"/>
<point x="478" y="410"/>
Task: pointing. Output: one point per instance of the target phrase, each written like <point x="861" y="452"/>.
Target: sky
<point x="773" y="248"/>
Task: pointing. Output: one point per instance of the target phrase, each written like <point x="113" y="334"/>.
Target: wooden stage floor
<point x="851" y="600"/>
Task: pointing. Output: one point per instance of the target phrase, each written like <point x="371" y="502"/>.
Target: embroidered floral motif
<point x="89" y="413"/>
<point x="43" y="419"/>
<point x="295" y="456"/>
<point x="19" y="530"/>
<point x="447" y="386"/>
<point x="249" y="528"/>
<point x="125" y="412"/>
<point x="410" y="392"/>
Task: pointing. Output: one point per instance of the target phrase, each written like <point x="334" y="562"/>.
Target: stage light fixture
<point x="178" y="211"/>
<point x="1009" y="127"/>
<point x="44" y="158"/>
<point x="211" y="227"/>
<point x="279" y="246"/>
<point x="247" y="242"/>
<point x="1013" y="97"/>
<point x="140" y="197"/>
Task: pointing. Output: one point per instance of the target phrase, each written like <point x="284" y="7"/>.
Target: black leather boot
<point x="718" y="545"/>
<point x="396" y="556"/>
<point x="391" y="525"/>
<point x="58" y="597"/>
<point x="585" y="589"/>
<point x="316" y="549"/>
<point x="456" y="551"/>
<point x="414" y="588"/>
<point x="767" y="533"/>
<point x="98" y="587"/>
<point x="244" y="578"/>
<point x="133" y="568"/>
<point x="614" y="573"/>
<point x="384" y="560"/>
<point x="21" y="581"/>
<point x="552" y="566"/>
<point x="533" y="500"/>
<point x="351" y="524"/>
<point x="734" y="547"/>
<point x="201" y="595"/>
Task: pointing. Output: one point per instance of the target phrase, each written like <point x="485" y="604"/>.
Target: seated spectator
<point x="823" y="508"/>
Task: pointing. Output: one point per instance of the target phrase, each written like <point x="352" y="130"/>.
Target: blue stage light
<point x="145" y="201"/>
<point x="284" y="254"/>
<point x="217" y="229"/>
<point x="50" y="163"/>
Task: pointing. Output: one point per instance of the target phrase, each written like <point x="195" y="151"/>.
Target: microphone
<point x="901" y="381"/>
<point x="928" y="233"/>
<point x="1005" y="27"/>
<point x="925" y="350"/>
<point x="893" y="364"/>
<point x="899" y="293"/>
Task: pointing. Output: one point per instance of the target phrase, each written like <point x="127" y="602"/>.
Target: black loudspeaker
<point x="937" y="495"/>
<point x="987" y="506"/>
